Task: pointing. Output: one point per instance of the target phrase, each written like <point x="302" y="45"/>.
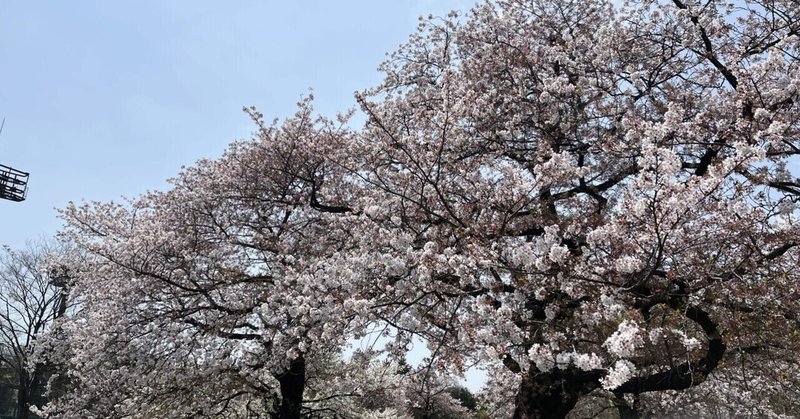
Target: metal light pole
<point x="61" y="277"/>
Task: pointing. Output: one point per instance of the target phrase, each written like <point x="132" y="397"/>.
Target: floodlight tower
<point x="13" y="182"/>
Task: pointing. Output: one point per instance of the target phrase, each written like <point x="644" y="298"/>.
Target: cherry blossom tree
<point x="206" y="299"/>
<point x="597" y="197"/>
<point x="588" y="199"/>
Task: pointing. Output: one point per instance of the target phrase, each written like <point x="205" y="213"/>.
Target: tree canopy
<point x="588" y="200"/>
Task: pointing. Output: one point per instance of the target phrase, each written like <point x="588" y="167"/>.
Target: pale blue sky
<point x="105" y="99"/>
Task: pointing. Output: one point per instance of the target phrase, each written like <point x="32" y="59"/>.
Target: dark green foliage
<point x="463" y="395"/>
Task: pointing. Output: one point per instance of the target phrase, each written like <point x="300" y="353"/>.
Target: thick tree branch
<point x="687" y="374"/>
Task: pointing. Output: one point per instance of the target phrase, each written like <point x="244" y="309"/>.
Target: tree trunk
<point x="625" y="410"/>
<point x="554" y="394"/>
<point x="292" y="382"/>
<point x="23" y="397"/>
<point x="542" y="400"/>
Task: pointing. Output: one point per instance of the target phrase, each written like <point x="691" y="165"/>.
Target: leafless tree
<point x="34" y="285"/>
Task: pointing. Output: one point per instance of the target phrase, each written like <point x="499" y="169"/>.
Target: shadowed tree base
<point x="292" y="385"/>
